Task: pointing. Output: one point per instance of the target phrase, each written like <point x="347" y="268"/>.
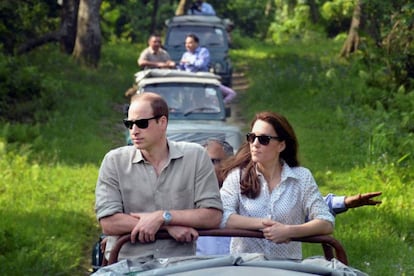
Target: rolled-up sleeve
<point x="108" y="196"/>
<point x="336" y="203"/>
<point x="315" y="205"/>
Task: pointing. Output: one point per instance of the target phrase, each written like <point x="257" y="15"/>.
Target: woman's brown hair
<point x="249" y="183"/>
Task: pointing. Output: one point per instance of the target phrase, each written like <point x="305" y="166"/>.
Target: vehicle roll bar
<point x="331" y="247"/>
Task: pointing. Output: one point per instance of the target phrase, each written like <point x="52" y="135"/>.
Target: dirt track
<point x="240" y="85"/>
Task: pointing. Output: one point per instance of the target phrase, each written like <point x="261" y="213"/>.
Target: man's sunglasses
<point x="141" y="123"/>
<point x="263" y="139"/>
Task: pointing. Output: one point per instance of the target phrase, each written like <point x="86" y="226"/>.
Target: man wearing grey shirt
<point x="156" y="184"/>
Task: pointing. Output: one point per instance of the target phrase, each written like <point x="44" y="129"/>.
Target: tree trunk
<point x="352" y="41"/>
<point x="88" y="38"/>
<point x="68" y="25"/>
<point x="154" y="17"/>
<point x="267" y="14"/>
<point x="183" y="7"/>
<point x="314" y="11"/>
<point x="291" y="4"/>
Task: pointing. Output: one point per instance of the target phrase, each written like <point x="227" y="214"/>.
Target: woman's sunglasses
<point x="263" y="139"/>
<point x="141" y="123"/>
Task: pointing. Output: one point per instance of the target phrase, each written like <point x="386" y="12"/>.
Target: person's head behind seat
<point x="218" y="150"/>
<point x="225" y="147"/>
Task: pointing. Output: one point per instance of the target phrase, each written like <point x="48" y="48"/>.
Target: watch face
<point x="167" y="217"/>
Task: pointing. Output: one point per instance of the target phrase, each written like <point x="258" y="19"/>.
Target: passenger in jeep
<point x="154" y="56"/>
<point x="196" y="58"/>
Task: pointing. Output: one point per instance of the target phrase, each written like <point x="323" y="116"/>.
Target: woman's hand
<point x="276" y="231"/>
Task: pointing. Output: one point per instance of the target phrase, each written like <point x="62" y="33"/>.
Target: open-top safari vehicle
<point x="334" y="262"/>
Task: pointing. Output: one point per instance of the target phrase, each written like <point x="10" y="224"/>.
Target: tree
<point x="154" y="16"/>
<point x="88" y="37"/>
<point x="68" y="27"/>
<point x="314" y="11"/>
<point x="79" y="32"/>
<point x="26" y="25"/>
<point x="352" y="41"/>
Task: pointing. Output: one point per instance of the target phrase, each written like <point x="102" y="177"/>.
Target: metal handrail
<point x="331" y="247"/>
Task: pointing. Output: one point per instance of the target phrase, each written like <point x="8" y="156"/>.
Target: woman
<point x="266" y="189"/>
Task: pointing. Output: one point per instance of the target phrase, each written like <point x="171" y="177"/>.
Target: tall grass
<point x="48" y="171"/>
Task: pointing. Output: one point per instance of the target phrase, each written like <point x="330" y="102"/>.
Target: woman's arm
<point x="243" y="222"/>
<point x="283" y="233"/>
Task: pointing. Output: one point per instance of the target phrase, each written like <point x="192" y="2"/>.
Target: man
<point x="219" y="150"/>
<point x="155" y="184"/>
<point x="154" y="56"/>
<point x="196" y="58"/>
<point x="200" y="7"/>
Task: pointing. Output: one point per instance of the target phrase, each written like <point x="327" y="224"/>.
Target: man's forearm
<point x="197" y="218"/>
<point x="118" y="224"/>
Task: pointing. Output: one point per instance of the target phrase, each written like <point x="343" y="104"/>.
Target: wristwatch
<point x="167" y="217"/>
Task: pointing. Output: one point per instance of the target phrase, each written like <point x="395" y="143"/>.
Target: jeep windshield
<point x="210" y="37"/>
<point x="191" y="101"/>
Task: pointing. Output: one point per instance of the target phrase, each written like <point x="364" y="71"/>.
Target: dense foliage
<point x="22" y="20"/>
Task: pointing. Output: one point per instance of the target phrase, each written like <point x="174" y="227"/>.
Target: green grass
<point x="48" y="171"/>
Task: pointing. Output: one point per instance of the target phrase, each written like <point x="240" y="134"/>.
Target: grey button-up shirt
<point x="127" y="183"/>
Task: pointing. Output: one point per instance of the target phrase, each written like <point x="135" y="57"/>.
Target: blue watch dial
<point x="167" y="217"/>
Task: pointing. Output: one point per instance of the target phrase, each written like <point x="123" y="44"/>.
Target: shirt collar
<point x="174" y="153"/>
<point x="197" y="50"/>
<point x="152" y="51"/>
<point x="287" y="172"/>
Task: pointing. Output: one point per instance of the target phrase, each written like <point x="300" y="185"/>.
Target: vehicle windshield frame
<point x="176" y="36"/>
<point x="190" y="101"/>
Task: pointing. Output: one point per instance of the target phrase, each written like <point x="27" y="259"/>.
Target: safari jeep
<point x="211" y="30"/>
<point x="196" y="108"/>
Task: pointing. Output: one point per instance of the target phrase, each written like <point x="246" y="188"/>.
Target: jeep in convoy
<point x="196" y="107"/>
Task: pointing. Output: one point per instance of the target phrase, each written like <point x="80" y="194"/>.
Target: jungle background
<point x="341" y="71"/>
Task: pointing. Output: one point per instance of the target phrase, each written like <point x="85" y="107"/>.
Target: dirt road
<point x="240" y="85"/>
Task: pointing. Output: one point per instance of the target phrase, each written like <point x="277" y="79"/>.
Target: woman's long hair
<point x="249" y="183"/>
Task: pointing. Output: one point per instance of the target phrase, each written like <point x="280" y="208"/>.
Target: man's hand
<point x="362" y="200"/>
<point x="147" y="226"/>
<point x="182" y="233"/>
<point x="103" y="244"/>
<point x="167" y="64"/>
<point x="170" y="64"/>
